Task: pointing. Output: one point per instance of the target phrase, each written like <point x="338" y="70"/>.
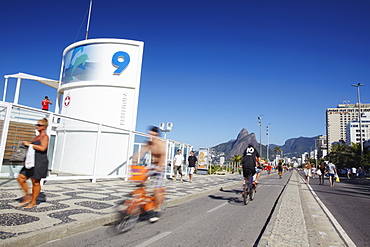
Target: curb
<point x="263" y="241"/>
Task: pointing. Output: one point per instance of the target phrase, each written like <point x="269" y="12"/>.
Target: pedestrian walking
<point x="192" y="165"/>
<point x="280" y="169"/>
<point x="39" y="170"/>
<point x="354" y="172"/>
<point x="268" y="169"/>
<point x="308" y="171"/>
<point x="349" y="173"/>
<point x="332" y="171"/>
<point x="178" y="160"/>
<point x="321" y="172"/>
<point x="359" y="172"/>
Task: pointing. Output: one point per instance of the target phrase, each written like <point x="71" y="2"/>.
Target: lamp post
<point x="358" y="85"/>
<point x="316" y="156"/>
<point x="260" y="124"/>
<point x="268" y="142"/>
<point x="165" y="128"/>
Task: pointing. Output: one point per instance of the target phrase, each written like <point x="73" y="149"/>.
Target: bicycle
<point x="249" y="190"/>
<point x="140" y="201"/>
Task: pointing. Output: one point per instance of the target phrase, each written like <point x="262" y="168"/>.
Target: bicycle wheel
<point x="128" y="218"/>
<point x="252" y="193"/>
<point x="246" y="193"/>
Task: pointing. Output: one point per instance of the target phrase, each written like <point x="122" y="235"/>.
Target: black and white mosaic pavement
<point x="66" y="202"/>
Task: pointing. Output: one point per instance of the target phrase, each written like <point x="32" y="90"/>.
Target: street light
<point x="358" y="85"/>
<point x="268" y="141"/>
<point x="260" y="124"/>
<point x="316" y="155"/>
<point x="165" y="128"/>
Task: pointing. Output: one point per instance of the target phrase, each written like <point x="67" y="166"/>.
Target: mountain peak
<point x="236" y="147"/>
<point x="242" y="134"/>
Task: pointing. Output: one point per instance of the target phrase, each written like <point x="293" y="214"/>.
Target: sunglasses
<point x="38" y="125"/>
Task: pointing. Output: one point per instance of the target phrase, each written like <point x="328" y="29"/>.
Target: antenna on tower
<point x="88" y="21"/>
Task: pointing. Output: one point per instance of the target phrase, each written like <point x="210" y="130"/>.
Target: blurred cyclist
<point x="157" y="149"/>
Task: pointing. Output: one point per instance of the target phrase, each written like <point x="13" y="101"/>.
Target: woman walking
<point x="40" y="145"/>
<point x="308" y="172"/>
<point x="321" y="172"/>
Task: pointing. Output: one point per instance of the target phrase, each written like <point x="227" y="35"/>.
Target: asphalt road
<point x="349" y="203"/>
<point x="218" y="219"/>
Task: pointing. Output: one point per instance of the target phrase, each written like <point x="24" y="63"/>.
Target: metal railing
<point x="95" y="137"/>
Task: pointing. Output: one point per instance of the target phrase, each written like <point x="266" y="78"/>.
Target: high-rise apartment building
<point x="322" y="147"/>
<point x="338" y="118"/>
<point x="353" y="130"/>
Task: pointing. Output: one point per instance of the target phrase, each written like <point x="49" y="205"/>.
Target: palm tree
<point x="237" y="159"/>
<point x="355" y="157"/>
<point x="354" y="153"/>
<point x="339" y="154"/>
<point x="277" y="150"/>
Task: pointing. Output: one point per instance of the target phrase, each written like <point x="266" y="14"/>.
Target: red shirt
<point x="45" y="104"/>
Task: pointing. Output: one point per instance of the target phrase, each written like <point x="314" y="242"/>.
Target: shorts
<point x="158" y="180"/>
<point x="307" y="172"/>
<point x="247" y="173"/>
<point x="258" y="170"/>
<point x="177" y="169"/>
<point x="331" y="175"/>
<point x="191" y="170"/>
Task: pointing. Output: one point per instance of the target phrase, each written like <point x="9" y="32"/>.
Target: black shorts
<point x="248" y="172"/>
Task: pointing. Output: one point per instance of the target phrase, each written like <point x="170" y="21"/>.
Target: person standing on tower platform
<point x="45" y="103"/>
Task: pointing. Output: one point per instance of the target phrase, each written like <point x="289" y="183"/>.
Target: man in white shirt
<point x="178" y="160"/>
<point x="332" y="171"/>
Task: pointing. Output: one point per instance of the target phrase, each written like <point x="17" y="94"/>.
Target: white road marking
<point x="153" y="239"/>
<point x="53" y="240"/>
<point x="322" y="234"/>
<point x="219" y="206"/>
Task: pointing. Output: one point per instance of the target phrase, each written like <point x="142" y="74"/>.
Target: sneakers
<point x="155" y="217"/>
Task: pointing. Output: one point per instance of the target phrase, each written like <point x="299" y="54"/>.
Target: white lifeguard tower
<point x="99" y="82"/>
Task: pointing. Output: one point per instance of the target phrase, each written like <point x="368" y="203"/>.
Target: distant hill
<point x="293" y="147"/>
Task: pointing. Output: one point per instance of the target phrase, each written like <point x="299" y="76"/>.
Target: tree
<point x="339" y="154"/>
<point x="236" y="159"/>
<point x="355" y="157"/>
<point x="277" y="150"/>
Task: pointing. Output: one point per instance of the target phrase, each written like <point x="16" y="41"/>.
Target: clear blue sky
<point x="211" y="67"/>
